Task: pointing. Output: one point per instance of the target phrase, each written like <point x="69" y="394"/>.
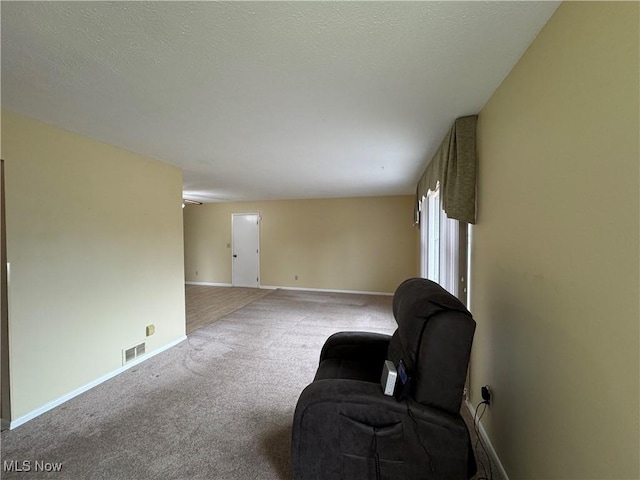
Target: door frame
<point x="5" y="379"/>
<point x="233" y="264"/>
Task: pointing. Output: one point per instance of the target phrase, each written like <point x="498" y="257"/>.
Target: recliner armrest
<point x="356" y="345"/>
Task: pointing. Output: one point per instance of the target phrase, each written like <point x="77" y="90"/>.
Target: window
<point x="444" y="247"/>
<point x="431" y="236"/>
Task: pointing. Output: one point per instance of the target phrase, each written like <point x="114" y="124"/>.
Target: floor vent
<point x="132" y="353"/>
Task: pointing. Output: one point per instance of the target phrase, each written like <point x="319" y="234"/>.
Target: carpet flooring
<point x="217" y="406"/>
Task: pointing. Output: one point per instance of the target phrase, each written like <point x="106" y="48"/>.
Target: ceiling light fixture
<point x="186" y="201"/>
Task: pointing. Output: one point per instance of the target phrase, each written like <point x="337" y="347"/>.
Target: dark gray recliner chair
<point x="346" y="428"/>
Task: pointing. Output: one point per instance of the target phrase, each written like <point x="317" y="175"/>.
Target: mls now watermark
<point x="29" y="466"/>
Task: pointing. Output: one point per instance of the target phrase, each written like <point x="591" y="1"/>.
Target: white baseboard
<point x="59" y="401"/>
<point x="324" y="290"/>
<point x="487" y="442"/>
<point x="302" y="289"/>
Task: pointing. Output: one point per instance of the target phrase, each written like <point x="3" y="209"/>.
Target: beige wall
<point x="361" y="244"/>
<point x="94" y="239"/>
<point x="556" y="251"/>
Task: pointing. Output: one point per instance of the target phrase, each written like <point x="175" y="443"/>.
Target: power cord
<point x="476" y="427"/>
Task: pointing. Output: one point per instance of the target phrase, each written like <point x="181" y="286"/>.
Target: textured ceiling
<point x="265" y="100"/>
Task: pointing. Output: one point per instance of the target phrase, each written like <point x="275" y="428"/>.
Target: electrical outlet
<point x="486" y="394"/>
<point x="296" y="277"/>
<point x="151" y="329"/>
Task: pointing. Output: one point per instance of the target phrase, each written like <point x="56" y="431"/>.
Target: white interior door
<point x="245" y="240"/>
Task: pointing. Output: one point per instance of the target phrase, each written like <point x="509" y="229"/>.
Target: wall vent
<point x="133" y="352"/>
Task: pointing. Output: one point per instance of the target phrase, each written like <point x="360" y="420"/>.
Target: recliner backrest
<point x="434" y="337"/>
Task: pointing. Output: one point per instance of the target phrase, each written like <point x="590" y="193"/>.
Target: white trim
<point x="423" y="236"/>
<point x="302" y="289"/>
<point x="325" y="290"/>
<point x="59" y="401"/>
<point x="209" y="284"/>
<point x="487" y="442"/>
<point x="469" y="253"/>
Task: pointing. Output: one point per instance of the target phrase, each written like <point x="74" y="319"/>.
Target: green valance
<point x="454" y="166"/>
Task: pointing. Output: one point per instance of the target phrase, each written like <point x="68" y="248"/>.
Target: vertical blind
<point x="454" y="166"/>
